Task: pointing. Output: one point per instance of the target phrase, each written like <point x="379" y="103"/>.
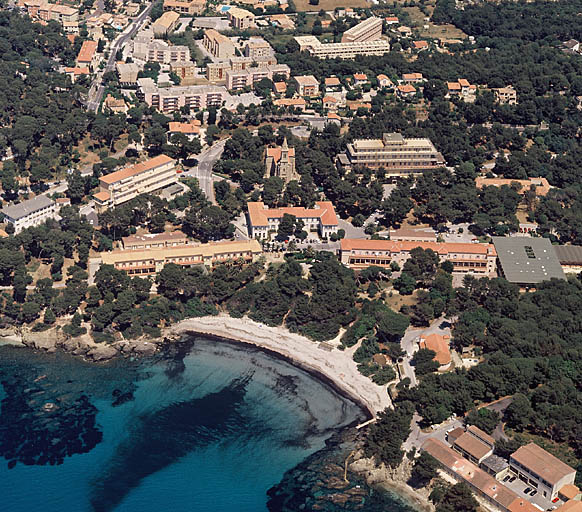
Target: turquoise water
<point x="209" y="427"/>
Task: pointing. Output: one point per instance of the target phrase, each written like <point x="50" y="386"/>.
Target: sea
<point x="205" y="425"/>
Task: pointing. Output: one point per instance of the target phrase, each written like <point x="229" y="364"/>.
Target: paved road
<point x="97" y="88"/>
<point x="409" y="344"/>
<point x="417" y="437"/>
<point x="203" y="171"/>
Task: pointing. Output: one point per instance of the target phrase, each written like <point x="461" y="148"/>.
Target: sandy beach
<point x="336" y="365"/>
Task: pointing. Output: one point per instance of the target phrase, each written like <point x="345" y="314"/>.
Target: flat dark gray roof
<point x="526" y="260"/>
<point x="495" y="463"/>
<point x="20" y="210"/>
<point x="569" y="254"/>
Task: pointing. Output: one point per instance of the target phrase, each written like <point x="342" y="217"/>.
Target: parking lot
<point x="519" y="487"/>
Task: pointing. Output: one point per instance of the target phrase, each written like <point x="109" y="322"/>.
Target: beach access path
<point x="325" y="359"/>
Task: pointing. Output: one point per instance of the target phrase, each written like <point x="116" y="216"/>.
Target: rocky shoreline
<point x="54" y="339"/>
<point x="233" y="330"/>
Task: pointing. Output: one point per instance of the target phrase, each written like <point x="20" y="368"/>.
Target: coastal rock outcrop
<point x="42" y="340"/>
<point x="101" y="353"/>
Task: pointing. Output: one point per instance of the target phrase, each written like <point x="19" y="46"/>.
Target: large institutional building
<point x="171" y="99"/>
<point x="280" y="161"/>
<point x="399" y="156"/>
<point x="148" y="262"/>
<point x="341" y="50"/>
<point x="367" y="30"/>
<point x="33" y="212"/>
<point x="474" y="258"/>
<point x="143" y="178"/>
<point x="263" y="221"/>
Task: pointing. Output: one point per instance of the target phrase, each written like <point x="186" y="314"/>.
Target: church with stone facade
<point x="280" y="161"/>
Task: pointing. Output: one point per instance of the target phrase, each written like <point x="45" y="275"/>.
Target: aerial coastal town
<point x="386" y="192"/>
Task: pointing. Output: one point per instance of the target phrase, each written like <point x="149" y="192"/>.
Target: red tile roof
<point x="87" y="51"/>
<point x="187" y="128"/>
<point x="348" y="244"/>
<point x="439" y="345"/>
<point x="276" y="153"/>
<point x="259" y="215"/>
<point x="406" y="89"/>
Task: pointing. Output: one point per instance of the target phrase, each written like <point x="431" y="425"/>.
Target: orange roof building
<point x="406" y="91"/>
<point x="439" y="344"/>
<point x="143" y="178"/>
<point x="279" y="87"/>
<point x="569" y="492"/>
<point x="476" y="258"/>
<point x="88" y="56"/>
<point x="280" y="162"/>
<point x="420" y="45"/>
<point x="478" y="480"/>
<point x="263" y="221"/>
<point x="298" y="103"/>
<point x="75" y="73"/>
<point x="540" y="185"/>
<point x="412" y="78"/>
<point x="192" y="128"/>
<point x="332" y="81"/>
<point x="533" y="463"/>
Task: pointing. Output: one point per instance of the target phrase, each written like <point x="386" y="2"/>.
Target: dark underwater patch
<point x="34" y="431"/>
<point x="160" y="438"/>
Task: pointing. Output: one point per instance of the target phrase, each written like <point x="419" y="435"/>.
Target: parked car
<point x="534" y="492"/>
<point x="555" y="500"/>
<point x="512" y="479"/>
<point x="507" y="478"/>
<point x="527" y="490"/>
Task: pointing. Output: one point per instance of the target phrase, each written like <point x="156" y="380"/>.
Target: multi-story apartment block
<point x="63" y="14"/>
<point x="162" y="52"/>
<point x="240" y="18"/>
<point x="399" y="156"/>
<point x="216" y="71"/>
<point x="127" y="73"/>
<point x="367" y="30"/>
<point x="188" y="7"/>
<point x="541" y="470"/>
<point x="341" y="50"/>
<point x="185" y="70"/>
<point x="218" y="45"/>
<point x="30" y="213"/>
<point x="151" y="261"/>
<point x="307" y="85"/>
<point x="143" y="178"/>
<point x="171" y="99"/>
<point x="236" y="80"/>
<point x="166" y="23"/>
<point x="257" y="47"/>
<point x="88" y="56"/>
<point x="263" y="221"/>
<point x="476" y="258"/>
